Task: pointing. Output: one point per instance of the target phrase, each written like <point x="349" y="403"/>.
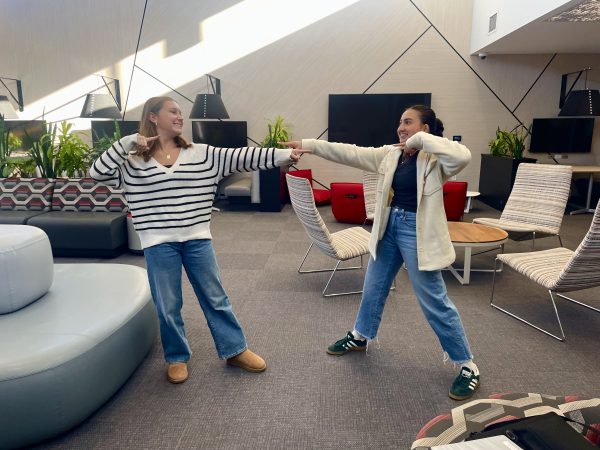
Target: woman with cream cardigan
<point x="409" y="228"/>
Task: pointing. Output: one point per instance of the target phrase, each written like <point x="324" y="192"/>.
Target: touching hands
<point x="297" y="150"/>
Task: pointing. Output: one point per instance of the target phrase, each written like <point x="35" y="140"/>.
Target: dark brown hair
<point x="427" y="115"/>
<point x="148" y="128"/>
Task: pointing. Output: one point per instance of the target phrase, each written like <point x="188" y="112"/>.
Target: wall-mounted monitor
<point x="562" y="135"/>
<point x="369" y="120"/>
<point x="26" y="131"/>
<point x="220" y="133"/>
<point x="107" y="128"/>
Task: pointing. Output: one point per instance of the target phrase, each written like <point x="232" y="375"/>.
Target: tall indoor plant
<point x="270" y="180"/>
<point x="12" y="161"/>
<point x="60" y="152"/>
<point x="277" y="131"/>
<point x="509" y="144"/>
<point x="499" y="168"/>
<point x="102" y="143"/>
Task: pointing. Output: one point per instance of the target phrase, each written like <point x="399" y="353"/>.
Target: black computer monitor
<point x="227" y="134"/>
<point x="26" y="131"/>
<point x="562" y="135"/>
<point x="369" y="119"/>
<point x="107" y="128"/>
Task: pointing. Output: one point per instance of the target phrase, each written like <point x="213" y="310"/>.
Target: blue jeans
<point x="398" y="245"/>
<point x="164" y="262"/>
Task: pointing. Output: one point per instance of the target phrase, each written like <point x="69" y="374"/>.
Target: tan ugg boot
<point x="249" y="361"/>
<point x="177" y="372"/>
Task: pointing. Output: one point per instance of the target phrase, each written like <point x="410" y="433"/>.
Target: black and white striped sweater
<point x="174" y="204"/>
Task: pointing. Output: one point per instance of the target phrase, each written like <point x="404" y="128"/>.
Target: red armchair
<point x="321" y="196"/>
<point x="348" y="203"/>
<point x="455" y="197"/>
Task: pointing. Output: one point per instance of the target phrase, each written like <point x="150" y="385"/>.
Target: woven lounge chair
<point x="536" y="204"/>
<point x="559" y="270"/>
<point x="342" y="245"/>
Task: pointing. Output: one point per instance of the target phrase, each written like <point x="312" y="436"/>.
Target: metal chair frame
<point x="552" y="293"/>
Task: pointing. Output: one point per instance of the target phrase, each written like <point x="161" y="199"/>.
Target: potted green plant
<point x="277" y="131"/>
<point x="58" y="154"/>
<point x="12" y="162"/>
<point x="270" y="180"/>
<point x="102" y="143"/>
<point x="510" y="144"/>
<point x="5" y="148"/>
<point x="499" y="168"/>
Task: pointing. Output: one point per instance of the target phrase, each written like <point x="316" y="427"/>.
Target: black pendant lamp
<point x="6" y="108"/>
<point x="100" y="106"/>
<point x="210" y="106"/>
<point x="582" y="103"/>
<point x="585" y="102"/>
<point x="103" y="106"/>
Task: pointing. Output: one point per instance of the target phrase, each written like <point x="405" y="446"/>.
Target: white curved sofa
<point x="65" y="354"/>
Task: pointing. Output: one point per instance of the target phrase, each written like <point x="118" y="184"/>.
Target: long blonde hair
<point x="148" y="128"/>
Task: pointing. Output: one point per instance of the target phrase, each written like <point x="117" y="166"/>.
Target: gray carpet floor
<point x="307" y="399"/>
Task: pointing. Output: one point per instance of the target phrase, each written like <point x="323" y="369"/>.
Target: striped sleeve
<point x="246" y="159"/>
<point x="107" y="168"/>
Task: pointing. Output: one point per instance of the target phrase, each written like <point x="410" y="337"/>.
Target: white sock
<point x="357" y="335"/>
<point x="472" y="366"/>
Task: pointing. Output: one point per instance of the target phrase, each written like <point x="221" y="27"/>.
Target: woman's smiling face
<point x="169" y="121"/>
<point x="410" y="123"/>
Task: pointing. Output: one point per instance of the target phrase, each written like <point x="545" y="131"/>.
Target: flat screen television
<point x="369" y="119"/>
<point x="562" y="135"/>
<point x="25" y="131"/>
<point x="107" y="128"/>
<point x="227" y="134"/>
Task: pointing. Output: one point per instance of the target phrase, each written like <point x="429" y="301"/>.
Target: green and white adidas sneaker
<point x="464" y="384"/>
<point x="347" y="344"/>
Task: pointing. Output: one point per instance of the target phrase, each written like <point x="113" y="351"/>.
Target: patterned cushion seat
<point x="23" y="198"/>
<point x="475" y="415"/>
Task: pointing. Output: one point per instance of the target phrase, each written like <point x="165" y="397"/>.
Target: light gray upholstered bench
<point x="64" y="354"/>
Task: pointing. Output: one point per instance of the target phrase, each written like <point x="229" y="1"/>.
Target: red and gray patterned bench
<point x="23" y="198"/>
<point x="475" y="415"/>
<point x="80" y="216"/>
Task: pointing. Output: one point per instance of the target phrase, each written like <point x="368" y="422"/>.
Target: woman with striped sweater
<point x="170" y="187"/>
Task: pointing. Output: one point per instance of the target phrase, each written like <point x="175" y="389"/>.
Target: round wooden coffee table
<point x="473" y="235"/>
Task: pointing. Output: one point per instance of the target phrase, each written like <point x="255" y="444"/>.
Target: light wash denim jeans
<point x="164" y="262"/>
<point x="398" y="245"/>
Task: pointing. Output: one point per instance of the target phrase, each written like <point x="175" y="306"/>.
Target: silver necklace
<point x="405" y="157"/>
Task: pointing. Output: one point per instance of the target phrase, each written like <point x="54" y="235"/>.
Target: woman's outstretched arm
<point x="364" y="158"/>
<point x="247" y="159"/>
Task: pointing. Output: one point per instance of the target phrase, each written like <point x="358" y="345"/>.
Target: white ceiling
<point x="573" y="29"/>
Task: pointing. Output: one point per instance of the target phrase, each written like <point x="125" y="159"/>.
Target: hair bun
<point x="439" y="128"/>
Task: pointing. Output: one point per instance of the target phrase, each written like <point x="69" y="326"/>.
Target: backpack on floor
<point x="542" y="432"/>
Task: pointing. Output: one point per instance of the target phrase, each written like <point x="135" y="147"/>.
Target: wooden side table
<point x="472" y="235"/>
